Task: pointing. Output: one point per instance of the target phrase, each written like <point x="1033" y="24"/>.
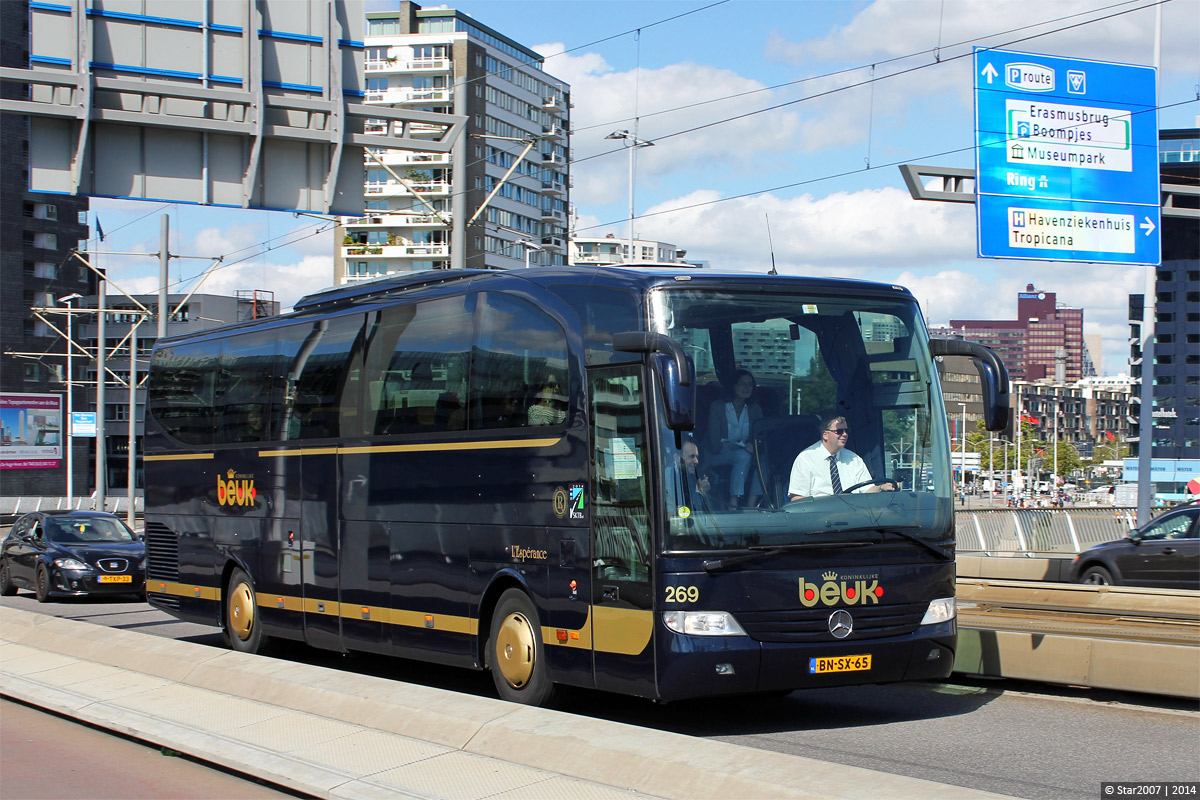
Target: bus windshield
<point x="818" y="422"/>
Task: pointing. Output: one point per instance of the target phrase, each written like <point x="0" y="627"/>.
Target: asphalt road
<point x="1016" y="739"/>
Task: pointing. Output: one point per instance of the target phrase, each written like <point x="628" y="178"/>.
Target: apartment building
<point x="499" y="199"/>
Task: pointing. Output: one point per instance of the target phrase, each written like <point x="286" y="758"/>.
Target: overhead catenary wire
<point x="843" y="174"/>
<point x="872" y="80"/>
<point x="881" y="62"/>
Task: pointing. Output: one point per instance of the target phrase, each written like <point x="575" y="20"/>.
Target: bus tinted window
<point x="182" y="384"/>
<point x="325" y="395"/>
<point x="416" y="368"/>
<point x="603" y="313"/>
<point x="519" y="369"/>
<point x="250" y="380"/>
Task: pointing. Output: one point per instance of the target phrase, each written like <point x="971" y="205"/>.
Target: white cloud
<point x="842" y="233"/>
<point x="605" y="102"/>
<point x="891" y="28"/>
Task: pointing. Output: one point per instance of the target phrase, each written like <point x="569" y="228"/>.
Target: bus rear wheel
<point x="243" y="626"/>
<point x="516" y="655"/>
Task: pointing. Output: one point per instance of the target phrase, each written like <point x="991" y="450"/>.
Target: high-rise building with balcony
<point x="1175" y="441"/>
<point x="422" y="210"/>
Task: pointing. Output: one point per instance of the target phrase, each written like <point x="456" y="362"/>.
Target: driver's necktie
<point x="834" y="478"/>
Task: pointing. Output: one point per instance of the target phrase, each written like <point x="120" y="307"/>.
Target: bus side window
<point x="516" y="346"/>
<point x="326" y="389"/>
<point x="249" y="387"/>
<point x="181" y="394"/>
<point x="416" y="367"/>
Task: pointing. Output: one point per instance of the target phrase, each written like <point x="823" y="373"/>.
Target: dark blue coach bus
<point x="513" y="471"/>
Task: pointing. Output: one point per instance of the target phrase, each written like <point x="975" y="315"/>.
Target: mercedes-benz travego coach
<point x="513" y="471"/>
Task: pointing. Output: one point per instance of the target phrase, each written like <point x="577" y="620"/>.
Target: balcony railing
<point x="421" y="187"/>
<point x="418" y="65"/>
<point x="406" y="157"/>
<point x="418" y="96"/>
<point x="396" y="250"/>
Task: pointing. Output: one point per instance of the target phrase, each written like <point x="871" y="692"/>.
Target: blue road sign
<point x="1066" y="159"/>
<point x="83" y="423"/>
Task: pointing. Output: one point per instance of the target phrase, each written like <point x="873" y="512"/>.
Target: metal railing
<point x="1029" y="531"/>
<point x="16" y="506"/>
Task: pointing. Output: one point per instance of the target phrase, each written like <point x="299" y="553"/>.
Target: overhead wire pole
<point x="1146" y="412"/>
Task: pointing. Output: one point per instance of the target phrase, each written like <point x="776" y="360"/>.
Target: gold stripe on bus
<point x="621" y="630"/>
<point x="625" y="642"/>
<point x="302" y="451"/>
<point x="443" y="446"/>
<point x="180" y="457"/>
<point x="580" y="638"/>
<point x="183" y="589"/>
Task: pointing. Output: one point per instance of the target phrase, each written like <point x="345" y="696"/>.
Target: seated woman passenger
<point x="549" y="406"/>
<point x="729" y="423"/>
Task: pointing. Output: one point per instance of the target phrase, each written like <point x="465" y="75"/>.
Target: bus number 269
<point x="683" y="594"/>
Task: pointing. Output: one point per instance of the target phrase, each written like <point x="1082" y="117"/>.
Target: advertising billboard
<point x="31" y="432"/>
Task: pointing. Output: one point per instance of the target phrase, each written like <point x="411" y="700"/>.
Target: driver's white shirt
<point x="810" y="471"/>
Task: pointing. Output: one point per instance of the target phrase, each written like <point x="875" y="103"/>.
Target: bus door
<point x="320" y="546"/>
<point x="321" y="406"/>
<point x="622" y="553"/>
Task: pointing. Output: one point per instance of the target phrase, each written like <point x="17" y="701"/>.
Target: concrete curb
<point x="611" y="754"/>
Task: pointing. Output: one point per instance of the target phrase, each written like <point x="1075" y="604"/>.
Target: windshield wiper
<point x="933" y="548"/>
<point x="904" y="534"/>
<point x="762" y="551"/>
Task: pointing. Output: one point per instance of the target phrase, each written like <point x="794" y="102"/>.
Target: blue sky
<point x="862" y="224"/>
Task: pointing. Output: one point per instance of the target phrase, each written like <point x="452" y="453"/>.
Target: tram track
<point x="1123" y="638"/>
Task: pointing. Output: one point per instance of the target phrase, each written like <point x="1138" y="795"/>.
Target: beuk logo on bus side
<point x="851" y="590"/>
<point x="236" y="490"/>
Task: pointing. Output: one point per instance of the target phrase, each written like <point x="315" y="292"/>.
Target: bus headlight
<point x="943" y="609"/>
<point x="703" y="623"/>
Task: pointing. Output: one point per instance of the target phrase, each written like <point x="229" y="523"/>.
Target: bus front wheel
<point x="516" y="654"/>
<point x="243" y="627"/>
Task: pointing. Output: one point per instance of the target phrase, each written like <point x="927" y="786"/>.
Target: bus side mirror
<point x="675" y="373"/>
<point x="993" y="377"/>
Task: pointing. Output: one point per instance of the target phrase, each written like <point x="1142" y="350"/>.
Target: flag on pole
<point x="99" y="230"/>
<point x="1110" y="436"/>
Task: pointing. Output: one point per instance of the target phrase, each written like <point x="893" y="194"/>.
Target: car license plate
<point x="818" y="666"/>
<point x="116" y="579"/>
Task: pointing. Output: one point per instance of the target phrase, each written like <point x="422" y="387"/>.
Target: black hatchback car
<point x="71" y="554"/>
<point x="1164" y="553"/>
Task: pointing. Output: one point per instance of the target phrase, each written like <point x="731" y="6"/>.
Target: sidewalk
<point x="338" y="735"/>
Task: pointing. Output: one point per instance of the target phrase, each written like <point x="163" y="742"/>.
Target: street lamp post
<point x="632" y="143"/>
<point x="528" y="244"/>
<point x="70" y="420"/>
<point x="963" y="445"/>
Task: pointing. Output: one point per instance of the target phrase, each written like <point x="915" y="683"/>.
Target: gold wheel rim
<point x="515" y="649"/>
<point x="241" y="611"/>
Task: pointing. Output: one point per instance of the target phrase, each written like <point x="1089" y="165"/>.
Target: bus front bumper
<point x="698" y="666"/>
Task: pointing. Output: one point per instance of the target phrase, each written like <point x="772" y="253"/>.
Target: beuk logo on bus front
<point x="236" y="490"/>
<point x="859" y="591"/>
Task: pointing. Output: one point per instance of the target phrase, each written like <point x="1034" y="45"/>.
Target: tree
<point x="819" y="393"/>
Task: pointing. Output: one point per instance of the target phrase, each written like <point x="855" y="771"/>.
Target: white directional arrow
<point x="989" y="72"/>
<point x="1147" y="226"/>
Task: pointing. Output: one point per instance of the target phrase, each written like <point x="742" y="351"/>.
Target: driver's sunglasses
<point x="839" y="431"/>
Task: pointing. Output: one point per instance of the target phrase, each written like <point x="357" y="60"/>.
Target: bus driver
<point x="827" y="467"/>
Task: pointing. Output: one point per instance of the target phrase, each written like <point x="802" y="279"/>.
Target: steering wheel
<point x="874" y="482"/>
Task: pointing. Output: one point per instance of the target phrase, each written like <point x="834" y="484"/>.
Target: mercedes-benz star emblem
<point x="841" y="623"/>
